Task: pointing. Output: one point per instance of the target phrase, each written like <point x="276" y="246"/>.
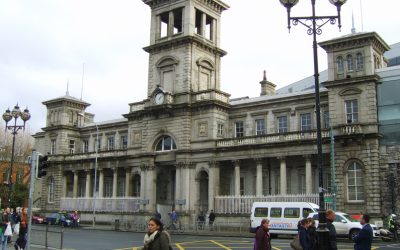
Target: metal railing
<point x="243" y="204"/>
<point x="123" y="204"/>
<point x="47" y="236"/>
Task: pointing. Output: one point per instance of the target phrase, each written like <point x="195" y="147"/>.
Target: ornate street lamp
<point x="7" y="117"/>
<point x="314" y="24"/>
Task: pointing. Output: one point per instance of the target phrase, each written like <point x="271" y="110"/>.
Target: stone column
<point x="151" y="188"/>
<point x="237" y="178"/>
<point x="213" y="184"/>
<point x="88" y="183"/>
<point x="188" y="180"/>
<point x="127" y="181"/>
<point x="115" y="182"/>
<point x="203" y="25"/>
<point x="283" y="175"/>
<point x="178" y="181"/>
<point x="64" y="184"/>
<point x="142" y="186"/>
<point x="308" y="180"/>
<point x="101" y="183"/>
<point x="75" y="187"/>
<point x="259" y="178"/>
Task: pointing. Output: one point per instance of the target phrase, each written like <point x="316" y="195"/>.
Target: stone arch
<point x="166" y="61"/>
<point x="156" y="139"/>
<point x="206" y="63"/>
<point x="350" y="91"/>
<point x="202" y="182"/>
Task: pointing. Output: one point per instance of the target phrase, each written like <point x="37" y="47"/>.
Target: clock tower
<point x="184" y="53"/>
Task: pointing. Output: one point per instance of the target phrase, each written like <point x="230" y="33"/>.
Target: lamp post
<point x="314" y="29"/>
<point x="7" y="117"/>
<point x="95" y="170"/>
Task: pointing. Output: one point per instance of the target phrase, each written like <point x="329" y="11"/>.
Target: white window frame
<point x="53" y="145"/>
<point x="239" y="130"/>
<point x="71" y="147"/>
<point x="162" y="141"/>
<point x="358" y="185"/>
<point x="307" y="126"/>
<point x="50" y="190"/>
<point x="111" y="143"/>
<point x="220" y="129"/>
<point x="260" y="126"/>
<point x="350" y="63"/>
<point x="352" y="111"/>
<point x="359" y="61"/>
<point x="124" y="141"/>
<point x="280" y="122"/>
<point x="340" y="64"/>
<point x="85" y="147"/>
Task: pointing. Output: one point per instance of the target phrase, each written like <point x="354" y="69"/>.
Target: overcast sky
<point x="44" y="44"/>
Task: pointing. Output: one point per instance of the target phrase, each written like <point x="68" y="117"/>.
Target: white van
<point x="283" y="216"/>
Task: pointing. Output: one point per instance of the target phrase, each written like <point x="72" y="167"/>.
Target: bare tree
<point x="23" y="145"/>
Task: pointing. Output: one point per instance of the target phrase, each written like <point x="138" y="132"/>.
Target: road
<point x="85" y="239"/>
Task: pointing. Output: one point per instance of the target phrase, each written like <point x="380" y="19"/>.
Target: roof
<point x="240" y="101"/>
<point x="66" y="98"/>
<point x="105" y="122"/>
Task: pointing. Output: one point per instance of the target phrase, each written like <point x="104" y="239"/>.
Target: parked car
<point x="38" y="219"/>
<point x="346" y="226"/>
<point x="59" y="219"/>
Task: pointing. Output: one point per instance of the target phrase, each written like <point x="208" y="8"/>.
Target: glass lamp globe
<point x="337" y="3"/>
<point x="289" y="3"/>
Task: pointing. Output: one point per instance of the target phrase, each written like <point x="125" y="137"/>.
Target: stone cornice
<point x="198" y="41"/>
<point x="352" y="81"/>
<point x="215" y="5"/>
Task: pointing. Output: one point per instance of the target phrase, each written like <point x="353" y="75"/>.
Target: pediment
<point x="350" y="91"/>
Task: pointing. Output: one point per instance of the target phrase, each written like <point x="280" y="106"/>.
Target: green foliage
<point x="18" y="198"/>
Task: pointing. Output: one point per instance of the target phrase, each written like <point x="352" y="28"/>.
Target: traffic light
<point x="42" y="165"/>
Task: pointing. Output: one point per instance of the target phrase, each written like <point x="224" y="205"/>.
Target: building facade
<point x="190" y="147"/>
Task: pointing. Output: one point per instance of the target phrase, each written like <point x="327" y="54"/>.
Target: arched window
<point x="355" y="182"/>
<point x="340" y="65"/>
<point x="166" y="143"/>
<point x="359" y="61"/>
<point x="50" y="190"/>
<point x="350" y="65"/>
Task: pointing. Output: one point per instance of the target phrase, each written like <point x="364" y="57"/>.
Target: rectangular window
<point x="97" y="142"/>
<point x="124" y="142"/>
<point x="121" y="187"/>
<point x="164" y="23"/>
<point x="110" y="143"/>
<point x="292" y="212"/>
<point x="261" y="212"/>
<point x="220" y="130"/>
<point x="108" y="186"/>
<point x="276" y="212"/>
<point x="85" y="147"/>
<point x="305" y="121"/>
<point x="260" y="127"/>
<point x="352" y="111"/>
<point x="242" y="186"/>
<point x="282" y="124"/>
<point x="177" y="20"/>
<point x="198" y="29"/>
<point x="239" y="129"/>
<point x="209" y="28"/>
<point x="53" y="147"/>
<point x="71" y="146"/>
<point x="306" y="212"/>
<point x="327" y="121"/>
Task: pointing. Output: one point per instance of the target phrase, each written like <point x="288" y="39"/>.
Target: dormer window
<point x="359" y="61"/>
<point x="350" y="65"/>
<point x="340" y="64"/>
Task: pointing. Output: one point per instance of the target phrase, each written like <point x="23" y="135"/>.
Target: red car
<point x="37" y="219"/>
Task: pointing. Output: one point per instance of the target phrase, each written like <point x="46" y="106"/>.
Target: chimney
<point x="267" y="88"/>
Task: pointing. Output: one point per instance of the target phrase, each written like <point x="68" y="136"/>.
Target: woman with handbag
<point x="263" y="238"/>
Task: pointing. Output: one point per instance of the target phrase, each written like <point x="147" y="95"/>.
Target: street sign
<point x="328" y="199"/>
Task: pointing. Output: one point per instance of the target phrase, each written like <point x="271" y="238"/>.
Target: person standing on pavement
<point x="211" y="218"/>
<point x="6" y="228"/>
<point x="157" y="215"/>
<point x="263" y="238"/>
<point x="330" y="218"/>
<point x="312" y="232"/>
<point x="304" y="236"/>
<point x="21" y="241"/>
<point x="363" y="240"/>
<point x="156" y="238"/>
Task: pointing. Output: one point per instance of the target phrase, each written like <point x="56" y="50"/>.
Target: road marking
<point x="276" y="248"/>
<point x="220" y="245"/>
<point x="179" y="246"/>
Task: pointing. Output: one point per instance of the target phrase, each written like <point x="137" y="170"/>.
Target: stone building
<point x="190" y="147"/>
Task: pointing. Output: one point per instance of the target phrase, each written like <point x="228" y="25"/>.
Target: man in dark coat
<point x="363" y="239"/>
<point x="330" y="218"/>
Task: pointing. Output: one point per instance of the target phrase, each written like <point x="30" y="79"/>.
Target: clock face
<point x="159" y="98"/>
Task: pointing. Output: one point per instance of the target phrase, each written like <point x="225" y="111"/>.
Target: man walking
<point x="363" y="239"/>
<point x="330" y="218"/>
